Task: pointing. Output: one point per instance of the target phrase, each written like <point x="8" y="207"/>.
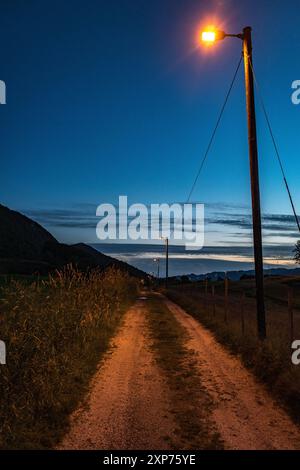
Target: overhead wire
<point x="270" y="130"/>
<point x="215" y="130"/>
<point x="262" y="103"/>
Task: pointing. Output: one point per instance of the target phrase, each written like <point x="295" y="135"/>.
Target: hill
<point x="28" y="248"/>
<point x="237" y="275"/>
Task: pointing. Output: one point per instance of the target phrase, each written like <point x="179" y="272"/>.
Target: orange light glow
<point x="208" y="36"/>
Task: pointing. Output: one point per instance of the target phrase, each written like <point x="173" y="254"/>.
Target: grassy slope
<point x="55" y="332"/>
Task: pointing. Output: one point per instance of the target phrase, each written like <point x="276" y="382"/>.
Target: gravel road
<point x="128" y="405"/>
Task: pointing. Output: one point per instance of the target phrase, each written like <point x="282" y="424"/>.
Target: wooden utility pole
<point x="253" y="154"/>
<point x="167" y="262"/>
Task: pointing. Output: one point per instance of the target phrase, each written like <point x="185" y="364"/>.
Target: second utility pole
<point x="253" y="154"/>
<point x="167" y="262"/>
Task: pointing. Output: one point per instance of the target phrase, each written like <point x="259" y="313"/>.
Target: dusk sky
<point x="109" y="98"/>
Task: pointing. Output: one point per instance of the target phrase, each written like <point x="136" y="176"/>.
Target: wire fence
<point x="234" y="307"/>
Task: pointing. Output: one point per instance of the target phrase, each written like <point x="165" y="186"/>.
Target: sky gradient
<point x="106" y="98"/>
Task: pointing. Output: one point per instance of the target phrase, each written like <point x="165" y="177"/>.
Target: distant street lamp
<point x="209" y="36"/>
<point x="156" y="260"/>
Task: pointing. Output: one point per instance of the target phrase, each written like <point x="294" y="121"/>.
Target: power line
<point x="275" y="146"/>
<point x="215" y="129"/>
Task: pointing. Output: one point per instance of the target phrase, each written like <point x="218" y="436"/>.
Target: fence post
<point x="291" y="311"/>
<point x="226" y="299"/>
<point x="242" y="312"/>
<point x="206" y="289"/>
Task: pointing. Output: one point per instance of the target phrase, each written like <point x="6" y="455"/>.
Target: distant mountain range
<point x="238" y="275"/>
<point x="27" y="248"/>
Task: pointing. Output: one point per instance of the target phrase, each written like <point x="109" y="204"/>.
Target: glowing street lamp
<point x="210" y="36"/>
<point x="156" y="260"/>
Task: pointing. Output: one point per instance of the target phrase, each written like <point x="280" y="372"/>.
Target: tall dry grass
<point x="55" y="332"/>
<point x="269" y="360"/>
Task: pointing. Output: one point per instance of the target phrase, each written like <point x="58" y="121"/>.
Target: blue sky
<point x="112" y="97"/>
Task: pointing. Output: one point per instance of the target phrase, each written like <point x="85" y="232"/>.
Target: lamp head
<point x="211" y="35"/>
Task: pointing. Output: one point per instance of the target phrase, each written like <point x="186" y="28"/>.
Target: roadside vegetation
<point x="233" y="323"/>
<point x="191" y="405"/>
<point x="55" y="332"/>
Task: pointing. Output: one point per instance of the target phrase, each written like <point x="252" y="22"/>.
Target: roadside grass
<point x="191" y="404"/>
<point x="55" y="331"/>
<point x="270" y="360"/>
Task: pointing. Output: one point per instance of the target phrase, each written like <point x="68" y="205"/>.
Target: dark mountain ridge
<point x="237" y="275"/>
<point x="27" y="248"/>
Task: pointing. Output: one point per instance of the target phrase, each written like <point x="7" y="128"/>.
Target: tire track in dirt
<point x="244" y="413"/>
<point x="127" y="407"/>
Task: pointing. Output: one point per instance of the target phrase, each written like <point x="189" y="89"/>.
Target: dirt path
<point x="127" y="407"/>
<point x="245" y="415"/>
